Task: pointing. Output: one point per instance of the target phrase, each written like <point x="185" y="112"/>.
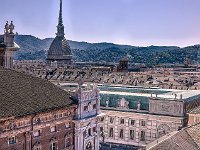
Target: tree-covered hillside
<point x="35" y="48"/>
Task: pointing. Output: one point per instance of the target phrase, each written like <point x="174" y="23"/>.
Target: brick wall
<point x="26" y="137"/>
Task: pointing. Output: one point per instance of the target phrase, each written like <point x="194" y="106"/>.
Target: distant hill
<point x="35" y="48"/>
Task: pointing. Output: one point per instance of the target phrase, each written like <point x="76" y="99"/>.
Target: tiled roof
<point x="196" y="110"/>
<point x="186" y="139"/>
<point x="21" y="94"/>
<point x="194" y="132"/>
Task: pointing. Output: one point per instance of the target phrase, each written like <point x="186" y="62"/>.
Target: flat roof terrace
<point x="134" y="91"/>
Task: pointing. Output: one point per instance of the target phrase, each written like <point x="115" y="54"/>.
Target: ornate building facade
<point x="59" y="53"/>
<point x="87" y="127"/>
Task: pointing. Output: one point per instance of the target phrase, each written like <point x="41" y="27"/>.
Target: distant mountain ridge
<point x="35" y="48"/>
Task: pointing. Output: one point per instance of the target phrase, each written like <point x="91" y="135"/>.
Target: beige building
<point x="136" y="126"/>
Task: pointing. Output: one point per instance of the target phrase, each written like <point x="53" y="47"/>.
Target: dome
<point x="59" y="49"/>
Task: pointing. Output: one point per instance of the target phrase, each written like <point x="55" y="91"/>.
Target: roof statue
<point x="11" y="27"/>
<point x="6" y="28"/>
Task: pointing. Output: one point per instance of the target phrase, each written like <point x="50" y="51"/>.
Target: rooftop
<point x="22" y="94"/>
<point x="133" y="94"/>
<point x="195" y="110"/>
<point x="187" y="138"/>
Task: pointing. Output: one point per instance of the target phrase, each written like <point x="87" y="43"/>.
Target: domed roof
<point x="59" y="46"/>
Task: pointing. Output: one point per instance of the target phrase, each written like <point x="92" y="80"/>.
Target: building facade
<point x="124" y="124"/>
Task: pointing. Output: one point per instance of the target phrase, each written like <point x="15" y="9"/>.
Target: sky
<point x="130" y="22"/>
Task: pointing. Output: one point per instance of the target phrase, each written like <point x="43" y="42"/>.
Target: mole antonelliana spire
<point x="59" y="53"/>
<point x="60" y="27"/>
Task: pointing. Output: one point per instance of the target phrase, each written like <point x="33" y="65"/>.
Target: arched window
<point x="111" y="132"/>
<point x="111" y="119"/>
<point x="132" y="134"/>
<point x="37" y="147"/>
<point x="121" y="133"/>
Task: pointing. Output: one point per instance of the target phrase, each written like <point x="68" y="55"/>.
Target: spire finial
<point x="60" y="27"/>
<point x="60" y="22"/>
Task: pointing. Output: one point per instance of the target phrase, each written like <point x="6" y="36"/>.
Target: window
<point x="65" y="114"/>
<point x="142" y="136"/>
<point x="67" y="125"/>
<point x="89" y="132"/>
<point x="60" y="115"/>
<point x="85" y="108"/>
<point x="101" y="133"/>
<point x="102" y="119"/>
<point x="94" y="106"/>
<point x="111" y="119"/>
<point x="132" y="134"/>
<point x="111" y="132"/>
<point x="132" y="122"/>
<point x="22" y="123"/>
<point x="12" y="140"/>
<point x="67" y="142"/>
<point x="53" y="129"/>
<point x="36" y="133"/>
<point x="37" y="120"/>
<point x="56" y="116"/>
<point x="37" y="147"/>
<point x="46" y="118"/>
<point x="101" y="129"/>
<point x="122" y="121"/>
<point x="53" y="146"/>
<point x="143" y="123"/>
<point x="84" y="134"/>
<point x="94" y="129"/>
<point x="121" y="133"/>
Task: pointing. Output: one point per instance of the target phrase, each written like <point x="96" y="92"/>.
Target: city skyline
<point x="130" y="22"/>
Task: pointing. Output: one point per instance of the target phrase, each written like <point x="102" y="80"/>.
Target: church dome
<point x="59" y="48"/>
